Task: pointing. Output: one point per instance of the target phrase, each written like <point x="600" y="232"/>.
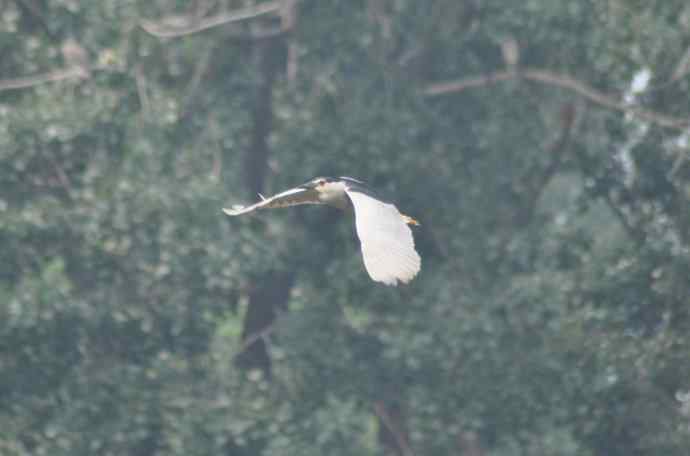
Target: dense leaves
<point x="550" y="317"/>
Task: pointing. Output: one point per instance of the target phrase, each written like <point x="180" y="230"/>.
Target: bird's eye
<point x="321" y="182"/>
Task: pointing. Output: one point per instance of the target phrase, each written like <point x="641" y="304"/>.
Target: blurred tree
<point x="543" y="146"/>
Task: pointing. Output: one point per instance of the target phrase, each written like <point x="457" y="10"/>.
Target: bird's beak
<point x="308" y="186"/>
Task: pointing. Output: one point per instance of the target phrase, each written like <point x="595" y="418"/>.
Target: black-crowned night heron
<point x="387" y="242"/>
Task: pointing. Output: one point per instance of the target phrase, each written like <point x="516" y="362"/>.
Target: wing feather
<point x="386" y="240"/>
<point x="292" y="197"/>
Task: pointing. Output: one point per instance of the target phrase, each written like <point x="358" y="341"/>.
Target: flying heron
<point x="386" y="240"/>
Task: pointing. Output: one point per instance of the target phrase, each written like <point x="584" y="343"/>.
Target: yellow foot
<point x="410" y="221"/>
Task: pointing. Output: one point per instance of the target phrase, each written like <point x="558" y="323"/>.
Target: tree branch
<point x="682" y="67"/>
<point x="556" y="151"/>
<point x="181" y="26"/>
<point x="73" y="72"/>
<point x="200" y="69"/>
<point x="635" y="233"/>
<point x="253" y="338"/>
<point x="563" y="82"/>
<point x="444" y="88"/>
<point x="288" y="21"/>
<point x="53" y="76"/>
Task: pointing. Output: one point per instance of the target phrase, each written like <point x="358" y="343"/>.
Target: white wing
<point x="387" y="242"/>
<point x="291" y="197"/>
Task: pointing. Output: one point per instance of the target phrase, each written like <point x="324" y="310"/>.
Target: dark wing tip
<point x="352" y="179"/>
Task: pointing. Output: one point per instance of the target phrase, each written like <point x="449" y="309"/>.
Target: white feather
<point x="387" y="243"/>
<point x="291" y="197"/>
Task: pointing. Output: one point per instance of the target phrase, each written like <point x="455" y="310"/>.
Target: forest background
<point x="542" y="144"/>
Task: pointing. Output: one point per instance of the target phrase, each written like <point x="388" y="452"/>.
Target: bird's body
<point x="386" y="241"/>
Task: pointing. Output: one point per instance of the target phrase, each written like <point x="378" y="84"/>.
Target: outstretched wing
<point x="292" y="197"/>
<point x="387" y="242"/>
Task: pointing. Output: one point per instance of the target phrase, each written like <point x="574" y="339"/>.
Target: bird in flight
<point x="386" y="240"/>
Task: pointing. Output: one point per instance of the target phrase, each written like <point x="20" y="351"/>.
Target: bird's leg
<point x="409" y="220"/>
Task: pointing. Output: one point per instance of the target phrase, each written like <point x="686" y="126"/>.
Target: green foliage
<point x="551" y="314"/>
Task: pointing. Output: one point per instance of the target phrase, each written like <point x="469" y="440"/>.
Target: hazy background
<point x="542" y="144"/>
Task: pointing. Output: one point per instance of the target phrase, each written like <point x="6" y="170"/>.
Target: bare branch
<point x="602" y="99"/>
<point x="681" y="70"/>
<point x="253" y="338"/>
<point x="682" y="67"/>
<point x="200" y="69"/>
<point x="555" y="151"/>
<point x="174" y="27"/>
<point x="53" y="76"/>
<point x="444" y="88"/>
<point x="563" y="82"/>
<point x="73" y="72"/>
<point x="288" y="20"/>
<point x="635" y="233"/>
<point x="142" y="92"/>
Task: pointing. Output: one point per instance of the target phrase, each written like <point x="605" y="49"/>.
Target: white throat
<point x="333" y="193"/>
